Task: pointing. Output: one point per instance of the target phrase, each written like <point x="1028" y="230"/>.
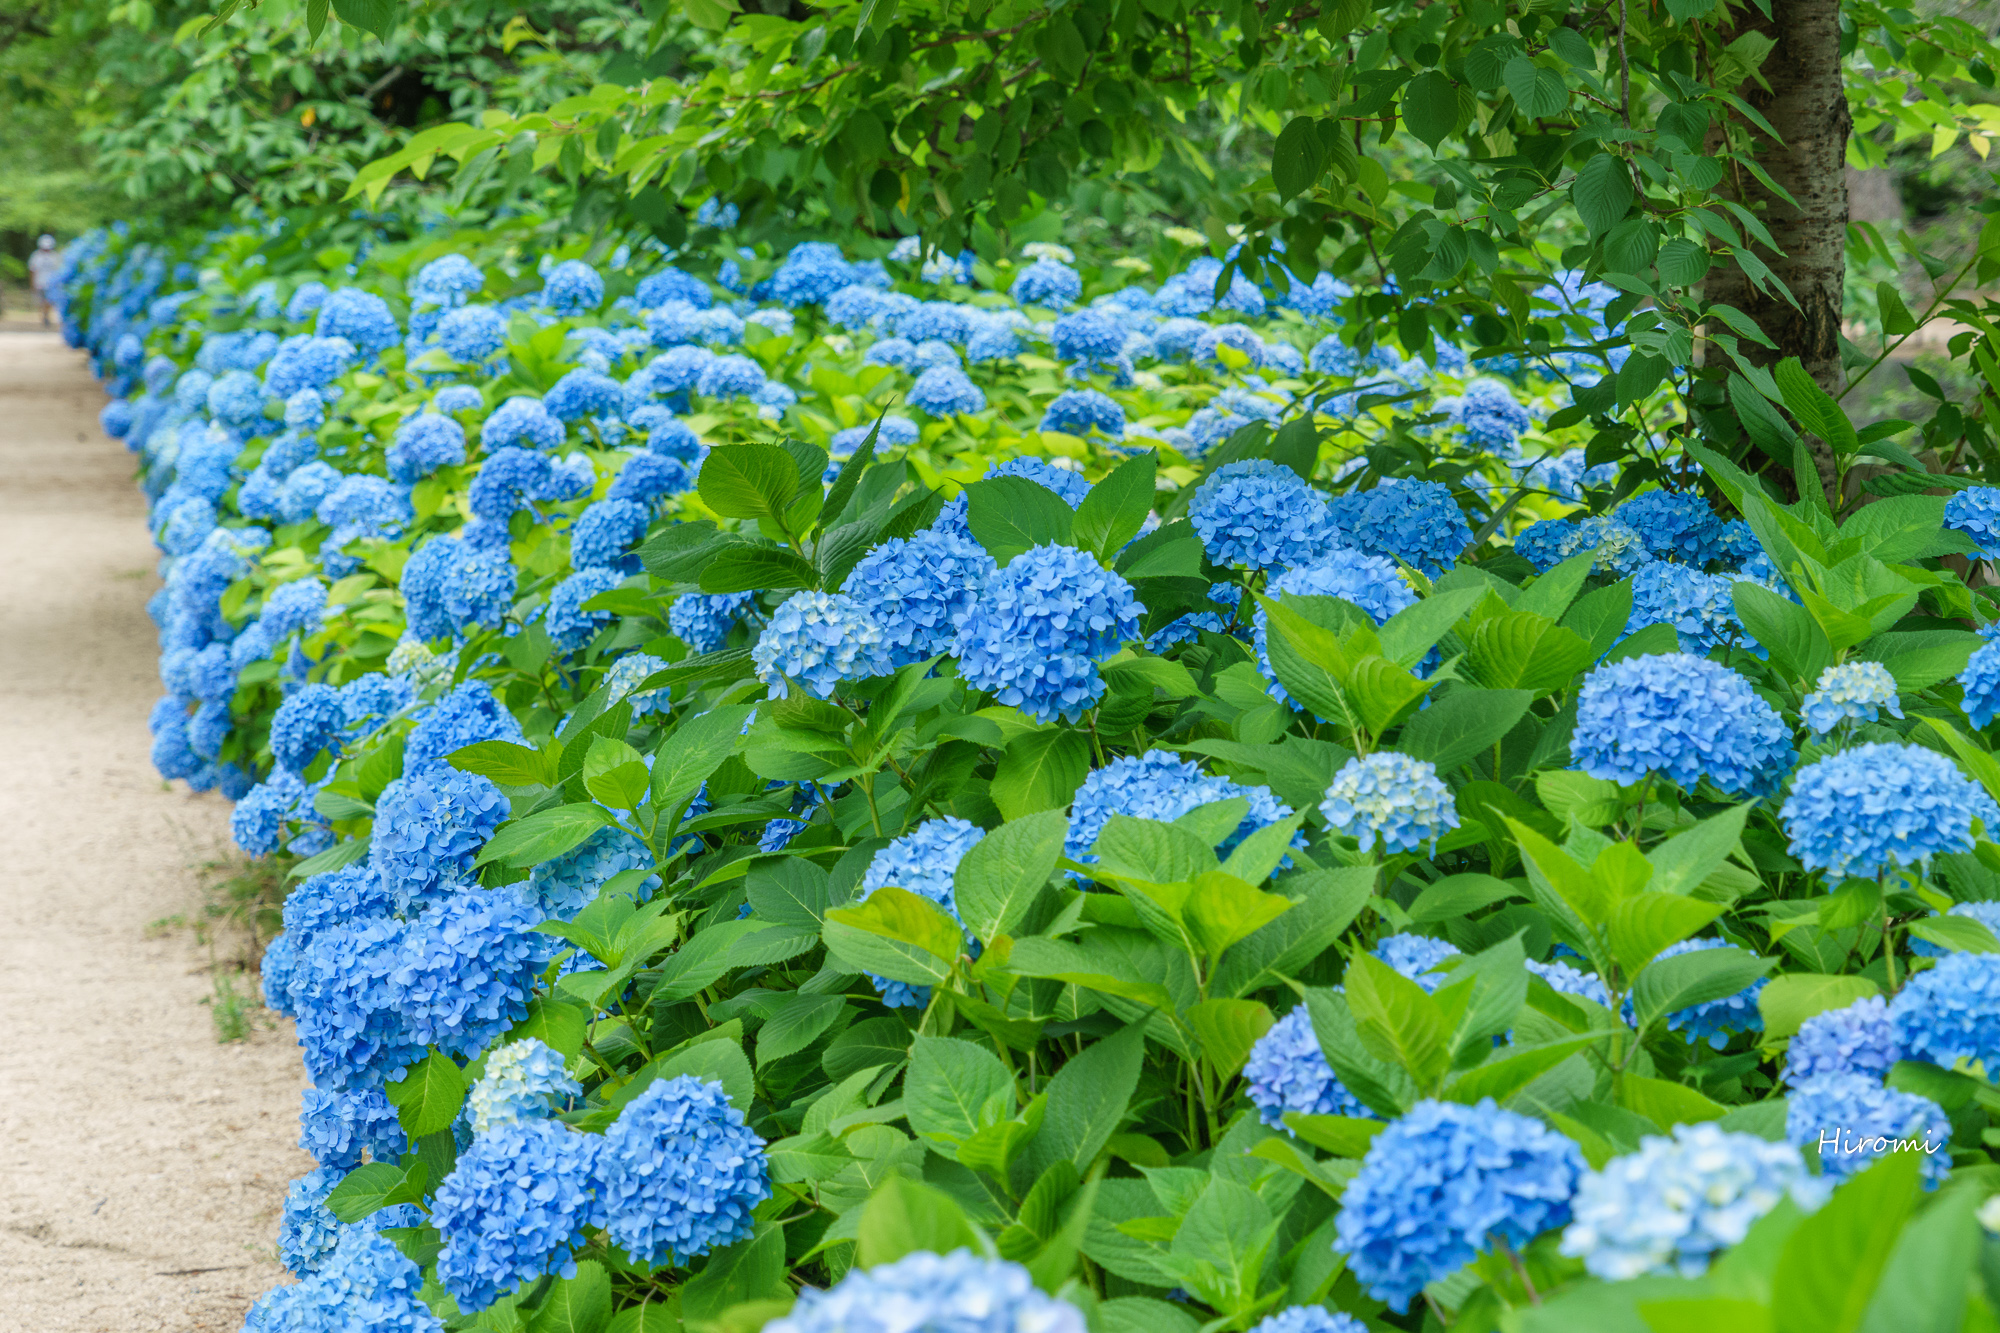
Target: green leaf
<point x="1814" y="407"/>
<point x="1116" y="508"/>
<point x="1591" y="802"/>
<point x="1460" y="896"/>
<point x="1397" y="1021"/>
<point x="1668" y="1104"/>
<point x="559" y="1026"/>
<point x="654" y="1316"/>
<point x="1960" y="934"/>
<point x="615" y="774"/>
<point x="428" y="1095"/>
<point x="1923" y="1286"/>
<point x="1684" y="862"/>
<point x="1788" y="1000"/>
<point x="752" y="480"/>
<point x="1896" y="318"/>
<point x="798" y="1023"/>
<point x="789" y="892"/>
<point x="1798" y="646"/>
<point x="1221" y="909"/>
<point x="1683" y="262"/>
<point x="954" y="1089"/>
<point x="1602" y="192"/>
<point x="1228" y="1029"/>
<point x="344" y="853"/>
<point x="718" y="1061"/>
<point x="1000" y="878"/>
<point x="1829" y="1269"/>
<point x="1514" y="1068"/>
<point x="1009" y="515"/>
<point x="895" y="934"/>
<point x="580" y="1304"/>
<point x="376" y="16"/>
<point x="1096" y="965"/>
<point x="1087" y="1100"/>
<point x="903" y="1216"/>
<point x="754" y="568"/>
<point x="1646" y="923"/>
<point x="1462" y="724"/>
<point x="1552" y="594"/>
<point x="749" y="1270"/>
<point x="1430" y="107"/>
<point x="690" y="756"/>
<point x="368" y="1189"/>
<point x="1344" y="1136"/>
<point x="508" y="764"/>
<point x="1040" y="771"/>
<point x="1296" y="159"/>
<point x="1672" y="984"/>
<point x="544" y="835"/>
<point x="1415" y="630"/>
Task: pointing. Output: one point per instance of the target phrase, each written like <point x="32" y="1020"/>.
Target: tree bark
<point x="1807" y="104"/>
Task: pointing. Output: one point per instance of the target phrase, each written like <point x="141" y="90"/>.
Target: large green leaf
<point x="1000" y="878"/>
<point x="544" y="835"/>
<point x="753" y="480"/>
<point x="1462" y="724"/>
<point x="578" y="1304"/>
<point x="1790" y="999"/>
<point x="1827" y="1276"/>
<point x="1009" y="515"/>
<point x="1397" y="1021"/>
<point x="1602" y="192"/>
<point x="1672" y="984"/>
<point x="1814" y="406"/>
<point x="895" y="934"/>
<point x="1521" y="650"/>
<point x="1116" y="508"/>
<point x="1040" y="770"/>
<point x="954" y="1089"/>
<point x="427" y="1096"/>
<point x="1087" y="1100"/>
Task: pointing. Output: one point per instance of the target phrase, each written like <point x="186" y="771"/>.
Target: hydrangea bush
<point x="848" y="789"/>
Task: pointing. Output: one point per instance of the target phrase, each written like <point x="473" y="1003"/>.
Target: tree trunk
<point x="1807" y="105"/>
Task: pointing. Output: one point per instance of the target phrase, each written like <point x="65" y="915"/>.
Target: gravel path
<point x="134" y="1149"/>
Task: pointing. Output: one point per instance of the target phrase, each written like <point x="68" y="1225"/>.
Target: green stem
<point x="1888" y="944"/>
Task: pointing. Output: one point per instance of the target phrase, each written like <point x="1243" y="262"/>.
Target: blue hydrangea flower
<point x="308" y="1231"/>
<point x="468" y="967"/>
<point x="573" y="287"/>
<point x="671" y="284"/>
<point x="1392" y="800"/>
<point x="1618" y="546"/>
<point x="423" y="444"/>
<point x="1700" y="607"/>
<point x="943" y="391"/>
<point x="1039" y="629"/>
<point x="467" y="715"/>
<point x="258" y="823"/>
<point x="895" y="433"/>
<point x="702" y="621"/>
<point x="1310" y="1318"/>
<point x="1157" y="785"/>
<point x="473" y="333"/>
<point x="583" y="393"/>
<point x="569" y="625"/>
<point x="680" y="1172"/>
<point x="923" y="862"/>
<point x="1859" y="1039"/>
<point x="1416" y="957"/>
<point x="1047" y="283"/>
<point x="446" y="281"/>
<point x="515" y="1207"/>
<point x="1080" y="411"/>
<point x="1441" y="1184"/>
<point x="1413" y="521"/>
<point x="566" y="885"/>
<point x="362" y="318"/>
<point x="521" y="421"/>
<point x="1287" y="1071"/>
<point x="1713" y="1021"/>
<point x="1951" y="1012"/>
<point x="1683" y="717"/>
<point x="818" y="639"/>
<point x="1975" y="511"/>
<point x="1259" y="515"/>
<point x="958" y="1292"/>
<point x="1368" y="581"/>
<point x="1490" y="415"/>
<point x="1861" y="811"/>
<point x="338" y="1127"/>
<point x="631" y="671"/>
<point x="1675" y="1204"/>
<point x="605" y="532"/>
<point x="650" y="478"/>
<point x="1087" y="336"/>
<point x="919" y="591"/>
<point x="1850" y="692"/>
<point x="1567" y="980"/>
<point x="429" y="825"/>
<point x="309" y="721"/>
<point x="522" y="1081"/>
<point x="729" y="376"/>
<point x="1675" y="525"/>
<point x="1852" y="1119"/>
<point x="457" y="398"/>
<point x="1981" y="681"/>
<point x="364" y="1284"/>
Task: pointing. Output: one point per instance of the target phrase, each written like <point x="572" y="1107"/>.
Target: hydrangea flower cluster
<point x="523" y="1080"/>
<point x="1700" y="607"/>
<point x="1981" y="681"/>
<point x="1850" y="692"/>
<point x="1951" y="1012"/>
<point x="1157" y="785"/>
<point x="680" y="1172"/>
<point x="1857" y="1039"/>
<point x="919" y="590"/>
<point x="1683" y="718"/>
<point x="957" y="1292"/>
<point x="1852" y="1119"/>
<point x="922" y="861"/>
<point x="1310" y="1318"/>
<point x="1390" y="802"/>
<point x="1368" y="581"/>
<point x="1441" y="1184"/>
<point x="1714" y="1021"/>
<point x="1040" y="626"/>
<point x="515" y="1207"/>
<point x="1260" y="515"/>
<point x="1287" y="1071"/>
<point x="1672" y="1206"/>
<point x="1975" y="511"/>
<point x="819" y="639"/>
<point x="1864" y="811"/>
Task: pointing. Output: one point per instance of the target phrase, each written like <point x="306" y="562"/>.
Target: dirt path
<point x="133" y="1147"/>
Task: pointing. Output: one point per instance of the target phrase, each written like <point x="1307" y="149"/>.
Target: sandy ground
<point x="142" y="1165"/>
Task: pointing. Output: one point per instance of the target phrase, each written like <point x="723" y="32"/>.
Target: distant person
<point x="42" y="266"/>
